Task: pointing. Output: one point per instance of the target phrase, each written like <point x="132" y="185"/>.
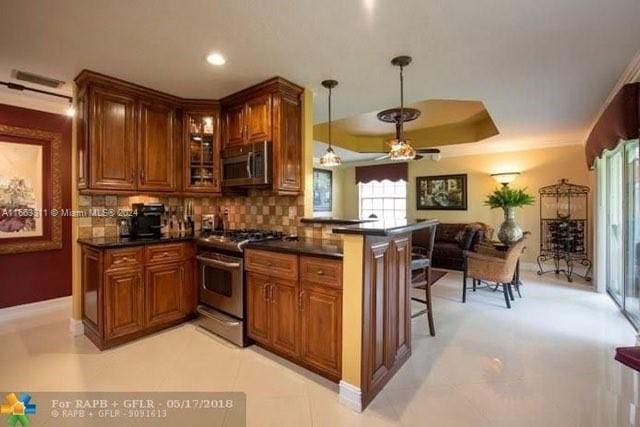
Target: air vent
<point x="34" y="78"/>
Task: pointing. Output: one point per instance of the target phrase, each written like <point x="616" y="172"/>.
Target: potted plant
<point x="509" y="199"/>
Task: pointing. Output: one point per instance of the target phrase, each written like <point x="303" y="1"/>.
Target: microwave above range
<point x="247" y="165"/>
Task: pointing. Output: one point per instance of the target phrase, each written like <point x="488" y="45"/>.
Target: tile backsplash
<point x="259" y="209"/>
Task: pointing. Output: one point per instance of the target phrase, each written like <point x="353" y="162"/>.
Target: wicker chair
<point x="491" y="265"/>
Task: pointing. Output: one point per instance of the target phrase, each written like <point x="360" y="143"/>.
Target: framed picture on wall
<point x="30" y="190"/>
<point x="322" y="190"/>
<point x="442" y="192"/>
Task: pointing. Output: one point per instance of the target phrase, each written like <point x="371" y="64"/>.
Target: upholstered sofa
<point x="453" y="239"/>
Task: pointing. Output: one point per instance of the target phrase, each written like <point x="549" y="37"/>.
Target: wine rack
<point x="564" y="230"/>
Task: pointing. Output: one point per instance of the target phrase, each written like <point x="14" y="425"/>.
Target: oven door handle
<point x="217" y="263"/>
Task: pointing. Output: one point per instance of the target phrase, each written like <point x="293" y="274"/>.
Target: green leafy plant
<point x="507" y="197"/>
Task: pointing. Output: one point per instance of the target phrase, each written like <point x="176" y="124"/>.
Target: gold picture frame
<point x="51" y="142"/>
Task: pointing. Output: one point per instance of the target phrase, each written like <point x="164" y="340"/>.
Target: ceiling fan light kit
<point x="330" y="158"/>
<point x="401" y="148"/>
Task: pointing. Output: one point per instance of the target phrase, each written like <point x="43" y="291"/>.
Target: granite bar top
<point x="302" y="246"/>
<point x="119" y="242"/>
<point x="336" y="221"/>
<point x="384" y="227"/>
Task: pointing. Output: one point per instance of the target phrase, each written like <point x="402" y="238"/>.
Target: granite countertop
<point x="117" y="242"/>
<point x="336" y="221"/>
<point x="303" y="246"/>
<point x="384" y="227"/>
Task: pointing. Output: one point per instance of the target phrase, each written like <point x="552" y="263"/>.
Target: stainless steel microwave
<point x="247" y="165"/>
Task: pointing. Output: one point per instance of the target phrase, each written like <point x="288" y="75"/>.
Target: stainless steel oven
<point x="222" y="295"/>
<point x="247" y="165"/>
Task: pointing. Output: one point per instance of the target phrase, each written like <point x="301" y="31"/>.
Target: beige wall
<point x="538" y="168"/>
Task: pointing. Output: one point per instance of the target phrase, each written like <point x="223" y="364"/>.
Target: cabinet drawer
<point x="321" y="271"/>
<point x="165" y="253"/>
<point x="272" y="263"/>
<point x="116" y="259"/>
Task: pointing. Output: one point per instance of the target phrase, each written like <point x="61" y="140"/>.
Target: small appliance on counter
<point x="146" y="223"/>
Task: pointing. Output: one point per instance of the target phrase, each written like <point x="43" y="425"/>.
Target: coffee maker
<point x="146" y="222"/>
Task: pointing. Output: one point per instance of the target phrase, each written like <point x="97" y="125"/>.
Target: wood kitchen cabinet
<point x="127" y="138"/>
<point x="248" y="121"/>
<point x="321" y="328"/>
<point x="201" y="155"/>
<point x="270" y="111"/>
<point x="156" y="147"/>
<point x="124" y="303"/>
<point x="294" y="308"/>
<point x="112" y="157"/>
<point x="386" y="335"/>
<point x="133" y="291"/>
<point x="133" y="139"/>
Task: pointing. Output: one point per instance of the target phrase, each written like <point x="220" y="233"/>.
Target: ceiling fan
<point x="401" y="148"/>
<point x="420" y="152"/>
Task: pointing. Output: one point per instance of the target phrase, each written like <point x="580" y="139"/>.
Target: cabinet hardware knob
<point x="142" y="174"/>
<point x="164" y="254"/>
<point x="320" y="272"/>
<point x="301" y="301"/>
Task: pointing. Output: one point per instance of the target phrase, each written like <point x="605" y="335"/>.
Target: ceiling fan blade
<point x="427" y="150"/>
<point x="386" y="156"/>
<point x="418" y="157"/>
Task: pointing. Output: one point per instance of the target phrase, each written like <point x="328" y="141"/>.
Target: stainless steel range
<point x="221" y="281"/>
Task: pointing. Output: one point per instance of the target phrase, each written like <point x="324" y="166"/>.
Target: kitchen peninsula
<point x="376" y="317"/>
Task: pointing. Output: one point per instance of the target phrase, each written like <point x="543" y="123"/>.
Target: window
<point x="385" y="200"/>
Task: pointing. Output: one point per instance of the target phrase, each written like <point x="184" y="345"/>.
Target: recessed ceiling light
<point x="216" y="59"/>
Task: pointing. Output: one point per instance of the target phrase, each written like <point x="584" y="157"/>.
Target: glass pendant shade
<point x="401" y="150"/>
<point x="330" y="158"/>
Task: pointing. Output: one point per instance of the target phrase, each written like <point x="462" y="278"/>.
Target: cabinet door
<point x="321" y="334"/>
<point x="376" y="320"/>
<point x="165" y="289"/>
<point x="287" y="145"/>
<point x="285" y="318"/>
<point x="399" y="299"/>
<point x="259" y="119"/>
<point x="201" y="152"/>
<point x="112" y="141"/>
<point x="258" y="308"/>
<point x="124" y="303"/>
<point x="234" y="125"/>
<point x="157" y="157"/>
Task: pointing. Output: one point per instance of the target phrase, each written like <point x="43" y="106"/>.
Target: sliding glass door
<point x="615" y="211"/>
<point x="632" y="235"/>
<point x="620" y="179"/>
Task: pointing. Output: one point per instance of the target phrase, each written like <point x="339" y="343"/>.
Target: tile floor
<point x="547" y="362"/>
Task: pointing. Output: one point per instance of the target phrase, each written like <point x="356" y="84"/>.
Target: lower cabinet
<point x="296" y="312"/>
<point x="321" y="328"/>
<point x="285" y="317"/>
<point x="129" y="292"/>
<point x="164" y="284"/>
<point x="124" y="303"/>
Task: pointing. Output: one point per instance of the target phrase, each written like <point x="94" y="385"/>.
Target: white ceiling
<point x="542" y="68"/>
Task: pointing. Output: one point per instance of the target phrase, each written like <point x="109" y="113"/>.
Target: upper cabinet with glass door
<point x="202" y="152"/>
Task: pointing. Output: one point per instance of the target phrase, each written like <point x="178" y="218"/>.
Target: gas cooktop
<point x="234" y="240"/>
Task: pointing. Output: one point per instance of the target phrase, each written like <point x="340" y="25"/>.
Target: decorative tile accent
<point x="259" y="209"/>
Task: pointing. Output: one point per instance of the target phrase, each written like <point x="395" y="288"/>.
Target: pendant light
<point x="401" y="148"/>
<point x="330" y="158"/>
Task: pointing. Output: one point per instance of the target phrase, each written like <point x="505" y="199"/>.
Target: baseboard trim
<point x="76" y="327"/>
<point x="350" y="396"/>
<point x="40" y="307"/>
